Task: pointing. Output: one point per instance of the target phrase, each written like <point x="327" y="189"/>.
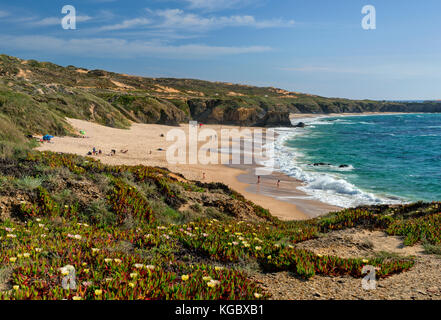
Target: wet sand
<point x="287" y="191"/>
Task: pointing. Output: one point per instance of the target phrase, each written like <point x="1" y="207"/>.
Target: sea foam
<point x="325" y="187"/>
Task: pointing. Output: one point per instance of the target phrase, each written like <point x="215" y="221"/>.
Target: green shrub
<point x="28" y="183"/>
<point x="99" y="213"/>
<point x="432" y="249"/>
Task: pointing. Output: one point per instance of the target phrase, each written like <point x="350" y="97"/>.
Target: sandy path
<point x="141" y="139"/>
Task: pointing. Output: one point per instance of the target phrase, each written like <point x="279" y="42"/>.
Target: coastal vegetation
<point x="137" y="232"/>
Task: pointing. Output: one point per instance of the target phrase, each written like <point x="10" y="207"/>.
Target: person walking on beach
<point x="278" y="183"/>
<point x="258" y="179"/>
<point x="203" y="176"/>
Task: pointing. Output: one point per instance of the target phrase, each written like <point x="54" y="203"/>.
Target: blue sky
<point x="311" y="46"/>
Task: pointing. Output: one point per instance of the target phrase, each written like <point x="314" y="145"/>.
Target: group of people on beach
<point x="95" y="152"/>
<point x="99" y="152"/>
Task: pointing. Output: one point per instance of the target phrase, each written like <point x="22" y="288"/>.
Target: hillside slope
<point x="35" y="97"/>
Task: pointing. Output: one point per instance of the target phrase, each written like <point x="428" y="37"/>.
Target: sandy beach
<point x="146" y="145"/>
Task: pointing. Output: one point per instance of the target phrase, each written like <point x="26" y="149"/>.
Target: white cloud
<point x="127" y="24"/>
<point x="112" y="47"/>
<point x="389" y="70"/>
<point x="52" y="21"/>
<point x="3" y="14"/>
<point x="213" y="5"/>
<point x="320" y="69"/>
<point x="178" y="19"/>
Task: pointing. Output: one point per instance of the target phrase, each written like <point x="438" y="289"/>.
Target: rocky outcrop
<point x="222" y="111"/>
<point x="275" y="119"/>
<point x="227" y="112"/>
<point x="300" y="125"/>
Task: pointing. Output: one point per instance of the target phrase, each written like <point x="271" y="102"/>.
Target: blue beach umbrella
<point x="47" y="137"/>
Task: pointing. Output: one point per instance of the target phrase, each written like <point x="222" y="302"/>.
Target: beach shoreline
<point x="285" y="202"/>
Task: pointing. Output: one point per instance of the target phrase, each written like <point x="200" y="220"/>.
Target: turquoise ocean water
<point x="365" y="159"/>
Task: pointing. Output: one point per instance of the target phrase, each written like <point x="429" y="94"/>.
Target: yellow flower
<point x="13" y="259"/>
<point x="86" y="270"/>
<point x="257" y="295"/>
<point x="134" y="275"/>
<point x="38" y="249"/>
<point x="98" y="292"/>
<point x="117" y="260"/>
<point x="365" y="261"/>
<point x="319" y="255"/>
<point x="258" y="248"/>
<point x="19" y="255"/>
<point x="132" y="284"/>
<point x="77" y="298"/>
<point x="95" y="250"/>
<point x="185" y="277"/>
<point x="16" y="287"/>
<point x="269" y="257"/>
<point x="108" y="279"/>
<point x="107" y="260"/>
<point x="84" y="264"/>
<point x="213" y="283"/>
<point x="206" y="278"/>
<point x="218" y="268"/>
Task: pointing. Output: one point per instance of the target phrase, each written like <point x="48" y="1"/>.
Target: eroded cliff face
<point x="275" y="119"/>
<point x="226" y="112"/>
<point x="221" y="111"/>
